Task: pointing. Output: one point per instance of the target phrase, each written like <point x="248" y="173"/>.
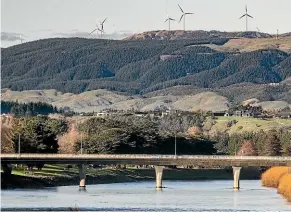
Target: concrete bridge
<point x="159" y="161"/>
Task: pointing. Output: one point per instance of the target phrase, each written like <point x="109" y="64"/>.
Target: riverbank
<point x="52" y="176"/>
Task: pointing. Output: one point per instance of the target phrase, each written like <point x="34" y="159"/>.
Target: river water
<point x="199" y="196"/>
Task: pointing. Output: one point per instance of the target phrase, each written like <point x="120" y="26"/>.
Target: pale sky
<point x="36" y="19"/>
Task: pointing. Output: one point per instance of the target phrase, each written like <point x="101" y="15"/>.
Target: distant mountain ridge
<point x="210" y="61"/>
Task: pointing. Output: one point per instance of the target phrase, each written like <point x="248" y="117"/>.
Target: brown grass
<point x="285" y="186"/>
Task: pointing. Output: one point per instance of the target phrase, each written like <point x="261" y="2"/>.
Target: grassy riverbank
<point x="59" y="175"/>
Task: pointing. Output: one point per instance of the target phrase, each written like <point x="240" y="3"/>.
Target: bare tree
<point x="247" y="149"/>
<point x="7" y="145"/>
<point x="67" y="141"/>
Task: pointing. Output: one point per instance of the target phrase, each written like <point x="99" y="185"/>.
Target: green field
<point x="247" y="124"/>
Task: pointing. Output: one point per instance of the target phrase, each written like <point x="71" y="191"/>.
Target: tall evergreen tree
<point x="273" y="145"/>
<point x="222" y="143"/>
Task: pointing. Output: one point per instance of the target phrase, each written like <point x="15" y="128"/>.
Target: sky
<point x="38" y="19"/>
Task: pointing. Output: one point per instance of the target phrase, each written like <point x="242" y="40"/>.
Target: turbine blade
<point x="189" y="13"/>
<point x="181" y="8"/>
<point x="92" y="31"/>
<point x="242" y="16"/>
<point x="172" y="19"/>
<point x="104" y="21"/>
<point x="166" y="20"/>
<point x="250" y="16"/>
<point x="181" y="18"/>
<point x="246" y="9"/>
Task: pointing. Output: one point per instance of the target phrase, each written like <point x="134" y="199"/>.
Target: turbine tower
<point x="169" y="19"/>
<point x="102" y="26"/>
<point x="246" y="15"/>
<point x="20" y="38"/>
<point x="183" y="16"/>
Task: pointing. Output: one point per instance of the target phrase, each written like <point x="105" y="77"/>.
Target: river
<point x="199" y="196"/>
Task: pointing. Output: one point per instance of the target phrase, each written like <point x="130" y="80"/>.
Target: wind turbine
<point x="169" y="19"/>
<point x="246" y="15"/>
<point x="183" y="16"/>
<point x="96" y="29"/>
<point x="101" y="30"/>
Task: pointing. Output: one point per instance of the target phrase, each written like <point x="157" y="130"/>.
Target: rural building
<point x="248" y="113"/>
<point x="103" y="114"/>
<point x="219" y="113"/>
<point x="169" y="57"/>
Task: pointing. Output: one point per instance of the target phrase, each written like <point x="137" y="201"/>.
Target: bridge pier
<point x="7" y="169"/>
<point x="159" y="176"/>
<point x="82" y="175"/>
<point x="236" y="173"/>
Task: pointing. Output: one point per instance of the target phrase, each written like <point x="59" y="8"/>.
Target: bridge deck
<point x="195" y="160"/>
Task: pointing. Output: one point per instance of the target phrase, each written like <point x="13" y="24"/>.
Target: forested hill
<point x="136" y="66"/>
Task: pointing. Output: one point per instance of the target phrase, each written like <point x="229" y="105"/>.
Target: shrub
<point x="285" y="186"/>
<point x="271" y="177"/>
<point x="195" y="131"/>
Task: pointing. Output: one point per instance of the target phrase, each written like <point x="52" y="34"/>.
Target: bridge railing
<point x="141" y="156"/>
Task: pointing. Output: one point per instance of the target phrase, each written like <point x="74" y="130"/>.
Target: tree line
<point x="136" y="135"/>
<point x="31" y="109"/>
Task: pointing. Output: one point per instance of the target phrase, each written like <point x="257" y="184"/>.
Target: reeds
<point x="278" y="177"/>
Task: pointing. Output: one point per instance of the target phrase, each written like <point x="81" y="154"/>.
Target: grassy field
<point x="248" y="124"/>
<point x="247" y="44"/>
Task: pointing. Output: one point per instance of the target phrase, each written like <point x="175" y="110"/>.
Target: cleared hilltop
<point x="197" y="34"/>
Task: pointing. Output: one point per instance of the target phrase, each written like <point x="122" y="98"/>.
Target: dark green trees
<point x="136" y="135"/>
<point x="77" y="65"/>
<point x="37" y="134"/>
<point x="273" y="145"/>
<point x="28" y="109"/>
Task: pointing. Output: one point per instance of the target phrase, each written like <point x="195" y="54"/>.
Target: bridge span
<point x="159" y="161"/>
